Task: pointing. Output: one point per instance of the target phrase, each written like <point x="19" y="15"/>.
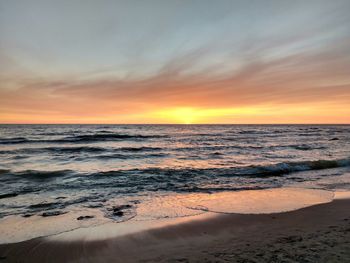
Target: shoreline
<point x="318" y="233"/>
<point x="156" y="211"/>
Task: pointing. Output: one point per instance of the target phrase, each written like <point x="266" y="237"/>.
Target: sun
<point x="181" y="115"/>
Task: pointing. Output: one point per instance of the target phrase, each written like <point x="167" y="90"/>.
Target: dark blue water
<point x="85" y="165"/>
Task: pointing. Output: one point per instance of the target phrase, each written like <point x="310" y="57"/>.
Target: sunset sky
<point x="174" y="61"/>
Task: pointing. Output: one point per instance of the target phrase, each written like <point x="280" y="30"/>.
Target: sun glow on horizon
<point x="258" y="114"/>
<point x="190" y="115"/>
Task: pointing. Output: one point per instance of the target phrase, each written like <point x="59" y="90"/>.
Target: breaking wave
<point x="167" y="174"/>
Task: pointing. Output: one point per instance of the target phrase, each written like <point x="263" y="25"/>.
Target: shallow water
<point x="64" y="167"/>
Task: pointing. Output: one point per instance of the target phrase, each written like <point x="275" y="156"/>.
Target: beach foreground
<point x="320" y="233"/>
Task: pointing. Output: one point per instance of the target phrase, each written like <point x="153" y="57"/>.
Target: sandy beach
<point x="319" y="233"/>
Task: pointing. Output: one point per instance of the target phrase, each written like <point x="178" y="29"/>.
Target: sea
<point x="53" y="168"/>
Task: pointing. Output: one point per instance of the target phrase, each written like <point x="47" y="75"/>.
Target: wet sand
<point x="319" y="233"/>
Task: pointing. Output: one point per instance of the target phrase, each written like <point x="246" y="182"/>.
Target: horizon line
<point x="183" y="124"/>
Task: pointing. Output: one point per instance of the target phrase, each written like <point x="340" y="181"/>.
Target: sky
<point x="174" y="61"/>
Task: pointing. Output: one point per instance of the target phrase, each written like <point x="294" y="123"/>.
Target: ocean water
<point x="49" y="168"/>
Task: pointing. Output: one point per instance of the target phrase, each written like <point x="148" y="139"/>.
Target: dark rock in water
<point x="61" y="197"/>
<point x="334" y="139"/>
<point x="53" y="213"/>
<point x="118" y="213"/>
<point x="27" y="215"/>
<point x="84" y="217"/>
<point x="8" y="195"/>
<point x="120" y="207"/>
